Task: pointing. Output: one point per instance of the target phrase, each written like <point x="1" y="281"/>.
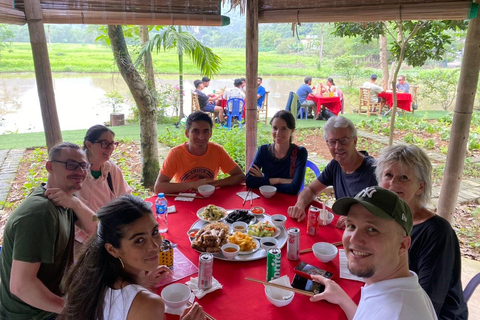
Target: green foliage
<point x="347" y="67"/>
<point x="440" y="86"/>
<point x="428" y="38"/>
<point x="113" y="99"/>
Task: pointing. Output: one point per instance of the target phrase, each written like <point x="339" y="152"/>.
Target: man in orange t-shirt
<point x="197" y="161"/>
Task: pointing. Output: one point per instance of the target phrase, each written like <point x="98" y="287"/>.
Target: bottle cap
<point x="161" y="195"/>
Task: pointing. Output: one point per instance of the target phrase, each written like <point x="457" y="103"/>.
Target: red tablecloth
<point x="242" y="299"/>
<point x="332" y="103"/>
<point x="404" y="100"/>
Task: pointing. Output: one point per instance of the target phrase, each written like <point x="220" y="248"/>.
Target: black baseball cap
<point x="380" y="202"/>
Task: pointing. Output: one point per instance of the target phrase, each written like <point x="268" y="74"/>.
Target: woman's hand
<point x="256" y="172"/>
<point x="148" y="279"/>
<point x="194" y="313"/>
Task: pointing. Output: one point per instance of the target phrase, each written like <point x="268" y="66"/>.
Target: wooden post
<point x="43" y="73"/>
<point x="252" y="74"/>
<point x="462" y="117"/>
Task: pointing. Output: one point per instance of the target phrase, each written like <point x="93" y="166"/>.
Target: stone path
<point x="9" y="162"/>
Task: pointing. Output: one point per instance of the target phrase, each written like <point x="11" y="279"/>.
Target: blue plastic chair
<point x="312" y="167"/>
<point x="471" y="286"/>
<point x="235" y="109"/>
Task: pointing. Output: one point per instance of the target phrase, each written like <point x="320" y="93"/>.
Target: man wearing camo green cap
<point x="376" y="241"/>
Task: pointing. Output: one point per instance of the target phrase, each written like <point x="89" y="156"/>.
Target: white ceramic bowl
<point x="268" y="243"/>
<point x="279" y="297"/>
<point x="230" y="255"/>
<point x="324" y="251"/>
<point x="328" y="220"/>
<point x="176" y="295"/>
<point x="268" y="191"/>
<point x="206" y="190"/>
<point x="279" y="220"/>
<point x="240" y="226"/>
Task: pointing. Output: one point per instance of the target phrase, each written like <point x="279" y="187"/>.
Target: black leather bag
<point x="327" y="114"/>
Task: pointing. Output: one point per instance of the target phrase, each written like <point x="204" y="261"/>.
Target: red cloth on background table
<point x="331" y="103"/>
<point x="242" y="299"/>
<point x="404" y="100"/>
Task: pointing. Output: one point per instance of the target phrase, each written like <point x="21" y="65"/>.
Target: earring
<point x="121" y="261"/>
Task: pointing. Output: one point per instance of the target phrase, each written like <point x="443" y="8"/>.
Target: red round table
<point x="242" y="299"/>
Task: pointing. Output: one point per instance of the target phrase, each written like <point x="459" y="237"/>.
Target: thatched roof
<point x="208" y="12"/>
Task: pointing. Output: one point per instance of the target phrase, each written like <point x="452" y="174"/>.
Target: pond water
<point x="80" y="98"/>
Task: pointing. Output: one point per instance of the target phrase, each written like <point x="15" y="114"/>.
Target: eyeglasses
<point x="333" y="142"/>
<point x="72" y="165"/>
<point x="105" y="144"/>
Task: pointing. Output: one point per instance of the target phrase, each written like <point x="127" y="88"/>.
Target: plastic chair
<point x="312" y="167"/>
<point x="293" y="104"/>
<point x="471" y="286"/>
<point x="234" y="109"/>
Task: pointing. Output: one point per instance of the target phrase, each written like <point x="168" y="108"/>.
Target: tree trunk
<point x="147" y="60"/>
<point x="384" y="60"/>
<point x="320" y="52"/>
<point x="146" y="105"/>
<point x="462" y="118"/>
<point x="180" y="79"/>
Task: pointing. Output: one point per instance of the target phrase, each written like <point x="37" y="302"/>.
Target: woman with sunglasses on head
<point x="281" y="164"/>
<point x="104" y="181"/>
<point x="105" y="284"/>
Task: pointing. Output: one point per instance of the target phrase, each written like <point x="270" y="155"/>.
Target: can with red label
<point x="293" y="244"/>
<point x="312" y="220"/>
<point x="274" y="263"/>
<point x="205" y="271"/>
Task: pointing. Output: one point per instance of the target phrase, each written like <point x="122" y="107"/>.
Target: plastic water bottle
<point x="161" y="208"/>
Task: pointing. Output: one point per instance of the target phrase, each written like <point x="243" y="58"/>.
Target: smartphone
<point x="305" y="284"/>
<point x="306" y="270"/>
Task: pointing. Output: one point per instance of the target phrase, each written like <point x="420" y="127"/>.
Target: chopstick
<point x="306" y="293"/>
<point x="244" y="200"/>
<point x="208" y="316"/>
<point x="336" y="244"/>
<point x="185" y="196"/>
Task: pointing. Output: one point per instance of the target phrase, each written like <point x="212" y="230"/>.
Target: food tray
<point x="259" y="254"/>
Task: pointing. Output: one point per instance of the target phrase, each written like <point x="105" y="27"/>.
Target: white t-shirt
<point x="395" y="299"/>
<point x="119" y="301"/>
<point x="374" y="91"/>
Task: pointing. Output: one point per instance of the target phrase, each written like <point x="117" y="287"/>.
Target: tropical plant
<point x="440" y="86"/>
<point x="185" y="43"/>
<point x="114" y="100"/>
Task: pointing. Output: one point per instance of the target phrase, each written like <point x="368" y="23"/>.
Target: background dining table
<point x="333" y="104"/>
<point x="404" y="100"/>
<point x="242" y="299"/>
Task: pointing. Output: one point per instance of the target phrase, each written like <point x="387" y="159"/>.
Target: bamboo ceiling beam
<point x="414" y="11"/>
<point x="133" y="18"/>
<point x="12" y="16"/>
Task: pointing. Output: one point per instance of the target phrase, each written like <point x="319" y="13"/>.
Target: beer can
<point x="293" y="244"/>
<point x="312" y="220"/>
<point x="205" y="271"/>
<point x="274" y="263"/>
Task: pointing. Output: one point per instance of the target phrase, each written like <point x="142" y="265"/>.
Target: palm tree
<point x="184" y="43"/>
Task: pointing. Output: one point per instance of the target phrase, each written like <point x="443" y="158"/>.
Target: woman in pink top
<point x="105" y="180"/>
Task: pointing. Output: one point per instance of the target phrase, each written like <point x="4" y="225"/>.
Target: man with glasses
<point x="349" y="172"/>
<point x="38" y="239"/>
<point x="402" y="85"/>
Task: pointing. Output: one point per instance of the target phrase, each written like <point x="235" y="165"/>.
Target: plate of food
<point x="242" y="215"/>
<point x="211" y="237"/>
<point x="263" y="229"/>
<point x="247" y="244"/>
<point x="211" y="213"/>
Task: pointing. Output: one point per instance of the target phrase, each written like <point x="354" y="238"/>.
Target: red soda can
<point x="312" y="220"/>
<point x="293" y="244"/>
<point x="205" y="271"/>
